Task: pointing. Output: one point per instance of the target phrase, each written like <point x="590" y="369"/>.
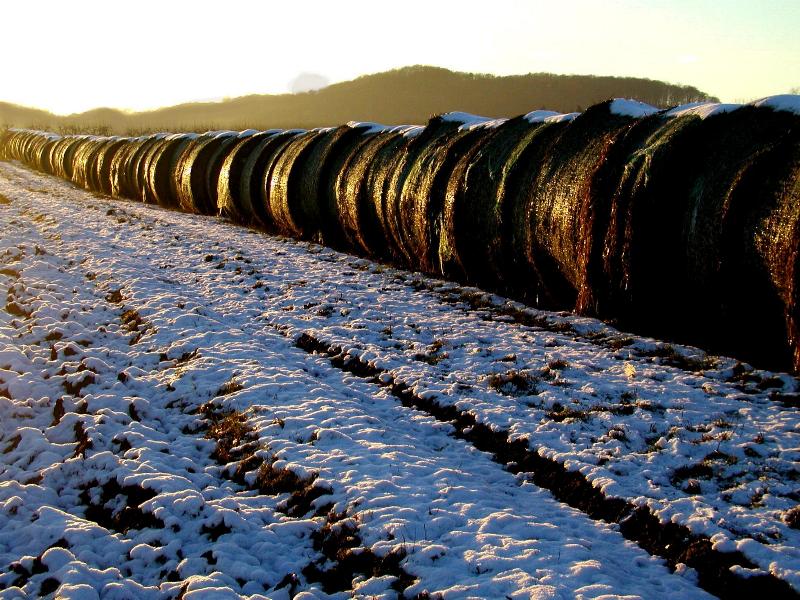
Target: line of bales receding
<point x="680" y="223"/>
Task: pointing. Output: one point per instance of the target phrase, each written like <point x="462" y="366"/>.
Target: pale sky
<point x="82" y="54"/>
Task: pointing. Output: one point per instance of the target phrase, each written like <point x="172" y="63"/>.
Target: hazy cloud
<point x="306" y="82"/>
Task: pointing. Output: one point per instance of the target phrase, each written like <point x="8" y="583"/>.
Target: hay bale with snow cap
<point x="518" y="274"/>
<point x="63" y="158"/>
<point x="93" y="165"/>
<point x="389" y="195"/>
<point x="331" y="157"/>
<point x="562" y="202"/>
<point x="83" y="161"/>
<point x="419" y="192"/>
<point x="105" y="163"/>
<point x="47" y="151"/>
<point x="355" y="211"/>
<point x="136" y="170"/>
<point x="702" y="232"/>
<point x="120" y="164"/>
<point x="471" y="242"/>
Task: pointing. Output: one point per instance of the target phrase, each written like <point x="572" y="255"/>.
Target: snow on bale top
<point x="368" y="127"/>
<point x="784" y="102"/>
<point x="540" y="116"/>
<point x="409" y="131"/>
<point x="469" y="121"/>
<point x="626" y="107"/>
<point x="247" y="133"/>
<point x="549" y="116"/>
<point x="701" y="109"/>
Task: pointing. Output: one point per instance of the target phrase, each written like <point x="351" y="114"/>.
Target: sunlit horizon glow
<point x="76" y="56"/>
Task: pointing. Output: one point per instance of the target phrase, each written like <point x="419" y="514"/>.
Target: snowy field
<point x="192" y="409"/>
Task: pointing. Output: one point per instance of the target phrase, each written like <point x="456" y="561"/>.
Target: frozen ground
<point x="131" y="334"/>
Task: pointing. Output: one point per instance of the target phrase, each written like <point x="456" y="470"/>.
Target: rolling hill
<point x="407" y="95"/>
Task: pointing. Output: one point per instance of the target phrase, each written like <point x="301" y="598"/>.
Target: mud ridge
<point x="343" y="558"/>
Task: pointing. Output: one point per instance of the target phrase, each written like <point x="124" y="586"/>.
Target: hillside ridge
<point x="406" y="95"/>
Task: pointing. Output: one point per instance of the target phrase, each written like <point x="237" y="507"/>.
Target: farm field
<point x="190" y="408"/>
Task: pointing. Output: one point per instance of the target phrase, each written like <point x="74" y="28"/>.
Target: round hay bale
<point x="83" y="161"/>
<point x="322" y="169"/>
<point x="702" y="234"/>
<point x="256" y="173"/>
<point x="231" y="181"/>
<point x="105" y="161"/>
<point x="517" y="274"/>
<point x="390" y="212"/>
<point x="594" y="296"/>
<point x="198" y="170"/>
<point x="160" y="169"/>
<point x="65" y="158"/>
<point x="294" y="214"/>
<point x="644" y="254"/>
<point x="120" y="183"/>
<point x="432" y="157"/>
<point x="385" y="167"/>
<point x="471" y="243"/>
<point x="355" y="208"/>
<point x="136" y="172"/>
<point x="61" y="158"/>
<point x="46" y="153"/>
<point x="558" y="206"/>
<point x="734" y="189"/>
<point x="93" y="163"/>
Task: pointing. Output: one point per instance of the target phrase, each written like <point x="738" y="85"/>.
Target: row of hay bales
<point x="682" y="224"/>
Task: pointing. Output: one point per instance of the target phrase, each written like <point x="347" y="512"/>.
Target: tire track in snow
<point x="719" y="571"/>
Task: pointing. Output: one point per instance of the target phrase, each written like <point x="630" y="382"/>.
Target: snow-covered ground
<point x="129" y="332"/>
